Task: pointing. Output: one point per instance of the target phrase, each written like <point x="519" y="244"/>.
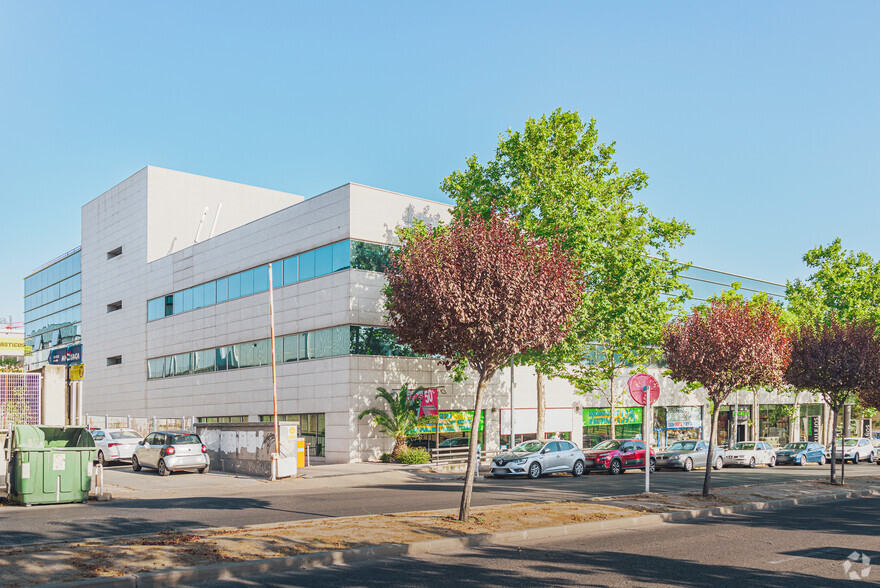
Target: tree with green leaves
<point x="475" y="293"/>
<point x="558" y="182"/>
<point x="401" y="417"/>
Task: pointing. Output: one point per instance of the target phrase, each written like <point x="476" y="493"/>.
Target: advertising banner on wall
<point x="597" y="417"/>
<point x="683" y="417"/>
<point x="451" y="422"/>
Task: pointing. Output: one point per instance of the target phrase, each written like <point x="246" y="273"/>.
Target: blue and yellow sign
<point x="451" y="422"/>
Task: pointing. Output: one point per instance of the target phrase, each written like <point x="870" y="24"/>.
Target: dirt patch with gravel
<point x="30" y="565"/>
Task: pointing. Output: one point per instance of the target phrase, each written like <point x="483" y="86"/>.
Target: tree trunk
<point x="794" y="433"/>
<point x="399" y="445"/>
<point x="542" y="403"/>
<point x="843" y="449"/>
<point x="711" y="456"/>
<point x="834" y="446"/>
<point x="464" y="510"/>
<point x="611" y="410"/>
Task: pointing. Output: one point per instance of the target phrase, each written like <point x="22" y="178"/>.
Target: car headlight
<point x="675" y="458"/>
<point x="518" y="461"/>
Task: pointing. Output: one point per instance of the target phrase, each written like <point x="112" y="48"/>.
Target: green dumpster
<point x="49" y="465"/>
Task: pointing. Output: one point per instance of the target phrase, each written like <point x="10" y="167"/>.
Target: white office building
<point x="175" y="317"/>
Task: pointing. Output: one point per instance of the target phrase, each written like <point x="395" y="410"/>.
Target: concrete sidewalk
<point x="173" y="558"/>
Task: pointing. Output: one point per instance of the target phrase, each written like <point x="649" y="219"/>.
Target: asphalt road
<point x="158" y="509"/>
<point x="799" y="546"/>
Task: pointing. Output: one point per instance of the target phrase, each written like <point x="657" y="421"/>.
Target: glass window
<point x="263" y="352"/>
<point x="244" y="353"/>
<point x="369" y="256"/>
<point x="156" y="368"/>
<point x="169" y="366"/>
<point x="340" y="341"/>
<point x="221" y="355"/>
<point x="290" y="270"/>
<point x="221" y="290"/>
<point x="279" y="350"/>
<point x="306" y="345"/>
<point x="234" y="284"/>
<point x="307" y="265"/>
<point x="178" y="302"/>
<point x="233" y="358"/>
<point x="155" y="309"/>
<point x="210" y="293"/>
<point x="291" y="348"/>
<point x="323" y="343"/>
<point x="341" y="256"/>
<point x="277" y="274"/>
<point x="198" y="296"/>
<point x="182" y="364"/>
<point x="169" y="305"/>
<point x="323" y="261"/>
<point x="204" y="361"/>
<point x="187" y="300"/>
<point x="261" y="278"/>
<point x="247" y="282"/>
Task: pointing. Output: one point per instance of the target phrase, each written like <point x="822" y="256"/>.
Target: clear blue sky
<point x="758" y="123"/>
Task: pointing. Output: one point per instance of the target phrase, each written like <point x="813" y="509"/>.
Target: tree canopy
<point x="557" y="181"/>
<point x="729" y="344"/>
<point x="477" y="292"/>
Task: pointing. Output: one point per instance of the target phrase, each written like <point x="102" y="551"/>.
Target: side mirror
<point x="545" y="450"/>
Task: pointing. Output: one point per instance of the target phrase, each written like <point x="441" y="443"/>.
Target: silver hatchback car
<point x="168" y="451"/>
<point x="538" y="457"/>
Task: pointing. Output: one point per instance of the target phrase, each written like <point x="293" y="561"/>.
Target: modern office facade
<point x="52" y="308"/>
<point x="175" y="319"/>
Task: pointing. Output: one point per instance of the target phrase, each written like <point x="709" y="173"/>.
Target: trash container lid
<point x="28" y="437"/>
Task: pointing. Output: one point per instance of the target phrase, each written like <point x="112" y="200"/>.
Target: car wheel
<point x="653" y="465"/>
<point x="163" y="469"/>
<point x="204" y="470"/>
<point x="772" y="463"/>
<point x="719" y="463"/>
<point x="615" y="468"/>
<point x="578" y="469"/>
<point x="101" y="459"/>
<point x="135" y="464"/>
<point x="804" y="460"/>
<point x="534" y="470"/>
<point x="855" y="459"/>
<point x="871" y="457"/>
<point x="752" y="463"/>
<point x="822" y="460"/>
<point x="688" y="465"/>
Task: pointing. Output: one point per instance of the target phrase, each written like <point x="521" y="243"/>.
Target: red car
<point x="617" y="455"/>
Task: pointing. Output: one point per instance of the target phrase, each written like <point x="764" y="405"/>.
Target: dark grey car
<point x="538" y="457"/>
<point x="687" y="455"/>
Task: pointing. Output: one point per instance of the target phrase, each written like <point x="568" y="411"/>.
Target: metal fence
<point x="143" y="425"/>
<point x="19" y="399"/>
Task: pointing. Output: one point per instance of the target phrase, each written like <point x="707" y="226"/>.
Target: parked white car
<point x="854" y="450"/>
<point x="115" y="444"/>
<point x="750" y="454"/>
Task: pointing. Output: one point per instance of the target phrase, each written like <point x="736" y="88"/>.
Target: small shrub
<point x="386" y="458"/>
<point x="414" y="455"/>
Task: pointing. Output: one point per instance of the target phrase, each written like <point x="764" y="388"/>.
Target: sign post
<point x="645" y="391"/>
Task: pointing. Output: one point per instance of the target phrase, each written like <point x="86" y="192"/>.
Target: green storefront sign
<point x="452" y="422"/>
<point x="598" y="417"/>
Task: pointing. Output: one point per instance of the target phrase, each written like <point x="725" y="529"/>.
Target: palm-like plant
<point x="402" y="418"/>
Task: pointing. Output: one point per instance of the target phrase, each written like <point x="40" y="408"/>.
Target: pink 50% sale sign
<point x="427" y="401"/>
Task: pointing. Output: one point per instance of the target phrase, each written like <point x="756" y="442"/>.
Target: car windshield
<point x="796" y="446"/>
<point x="528" y="447"/>
<point x="744" y="446"/>
<point x="125" y="435"/>
<point x="682" y="446"/>
<point x="186" y="440"/>
<point x="850" y="442"/>
<point x="610" y="444"/>
<point x="450" y="442"/>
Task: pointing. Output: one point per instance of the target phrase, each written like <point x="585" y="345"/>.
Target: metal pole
<point x="512" y="441"/>
<point x="646" y="389"/>
<point x="274" y="382"/>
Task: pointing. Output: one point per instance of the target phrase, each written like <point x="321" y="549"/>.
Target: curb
<point x="235" y="570"/>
